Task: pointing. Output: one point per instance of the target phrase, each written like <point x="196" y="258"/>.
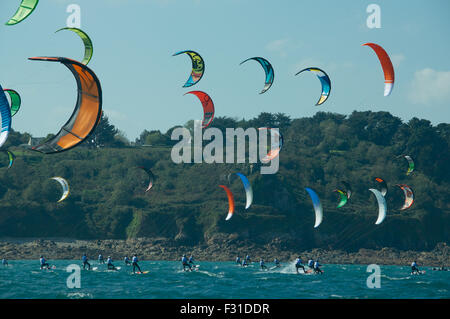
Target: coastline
<point x="170" y="250"/>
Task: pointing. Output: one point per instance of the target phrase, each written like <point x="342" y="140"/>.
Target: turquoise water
<point x="166" y="280"/>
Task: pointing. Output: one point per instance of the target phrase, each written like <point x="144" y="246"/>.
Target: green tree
<point x="104" y="134"/>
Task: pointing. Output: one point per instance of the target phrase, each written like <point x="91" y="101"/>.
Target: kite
<point x="198" y="67"/>
<point x="409" y="196"/>
<point x="382" y="207"/>
<point x="248" y="190"/>
<point x="208" y="107"/>
<point x="65" y="186"/>
<point x="317" y="206"/>
<point x="410" y="164"/>
<point x="348" y="189"/>
<point x="343" y="198"/>
<point x="25" y="9"/>
<point x="268" y="69"/>
<point x="5" y="117"/>
<point x="15" y="101"/>
<point x="150" y="175"/>
<point x="11" y="157"/>
<point x="88" y="47"/>
<point x="87" y="112"/>
<point x="383" y="185"/>
<point x="324" y="80"/>
<point x="230" y="201"/>
<point x="386" y="64"/>
<point x="275" y="148"/>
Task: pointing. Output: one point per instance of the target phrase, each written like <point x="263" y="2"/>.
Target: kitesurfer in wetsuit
<point x="316" y="267"/>
<point x="311" y="264"/>
<point x="414" y="268"/>
<point x="43" y="263"/>
<point x="277" y="262"/>
<point x="261" y="264"/>
<point x="191" y="260"/>
<point x="238" y="260"/>
<point x="127" y="261"/>
<point x="135" y="263"/>
<point x="4" y="262"/>
<point x="247" y="258"/>
<point x="110" y="264"/>
<point x="100" y="259"/>
<point x="298" y="264"/>
<point x="185" y="263"/>
<point x="84" y="259"/>
<point x="244" y="263"/>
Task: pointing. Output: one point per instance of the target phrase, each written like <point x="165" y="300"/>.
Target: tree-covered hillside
<point x="108" y="198"/>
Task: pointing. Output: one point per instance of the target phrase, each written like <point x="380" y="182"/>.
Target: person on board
<point x="109" y="264"/>
<point x="43" y="263"/>
<point x="247" y="258"/>
<point x="127" y="261"/>
<point x="277" y="262"/>
<point x="311" y="264"/>
<point x="244" y="263"/>
<point x="191" y="260"/>
<point x="238" y="260"/>
<point x="4" y="262"/>
<point x="261" y="264"/>
<point x="317" y="267"/>
<point x="414" y="267"/>
<point x="298" y="264"/>
<point x="100" y="259"/>
<point x="84" y="259"/>
<point x="134" y="261"/>
<point x="185" y="263"/>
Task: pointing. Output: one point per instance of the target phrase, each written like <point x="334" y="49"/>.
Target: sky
<point x="142" y="82"/>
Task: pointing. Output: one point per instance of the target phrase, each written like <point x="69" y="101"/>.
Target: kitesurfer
<point x="135" y="263"/>
<point x="191" y="260"/>
<point x="43" y="262"/>
<point x="244" y="263"/>
<point x="414" y="268"/>
<point x="261" y="263"/>
<point x="4" y="262"/>
<point x="127" y="261"/>
<point x="311" y="264"/>
<point x="100" y="259"/>
<point x="277" y="262"/>
<point x="238" y="260"/>
<point x="298" y="264"/>
<point x="84" y="259"/>
<point x="185" y="263"/>
<point x="247" y="258"/>
<point x="110" y="264"/>
<point x="316" y="267"/>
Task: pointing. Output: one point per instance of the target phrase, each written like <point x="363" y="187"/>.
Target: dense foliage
<point x="107" y="197"/>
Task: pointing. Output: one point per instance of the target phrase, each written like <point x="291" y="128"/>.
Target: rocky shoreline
<point x="167" y="249"/>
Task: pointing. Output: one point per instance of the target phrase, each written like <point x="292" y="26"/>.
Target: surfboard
<point x="142" y="273"/>
<point x="420" y="272"/>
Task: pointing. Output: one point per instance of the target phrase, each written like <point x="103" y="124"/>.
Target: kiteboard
<point x="274" y="267"/>
<point x="96" y="269"/>
<point x="142" y="272"/>
<point x="195" y="267"/>
<point x="49" y="268"/>
<point x="420" y="272"/>
<point x="308" y="272"/>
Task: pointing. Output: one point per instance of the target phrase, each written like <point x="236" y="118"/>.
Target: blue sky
<point x="142" y="83"/>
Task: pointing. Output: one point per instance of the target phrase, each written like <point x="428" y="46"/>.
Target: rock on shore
<point x="214" y="250"/>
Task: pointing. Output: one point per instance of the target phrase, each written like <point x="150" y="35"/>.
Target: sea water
<point x="167" y="280"/>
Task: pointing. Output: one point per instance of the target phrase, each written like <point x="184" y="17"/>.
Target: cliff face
<point x="186" y="206"/>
